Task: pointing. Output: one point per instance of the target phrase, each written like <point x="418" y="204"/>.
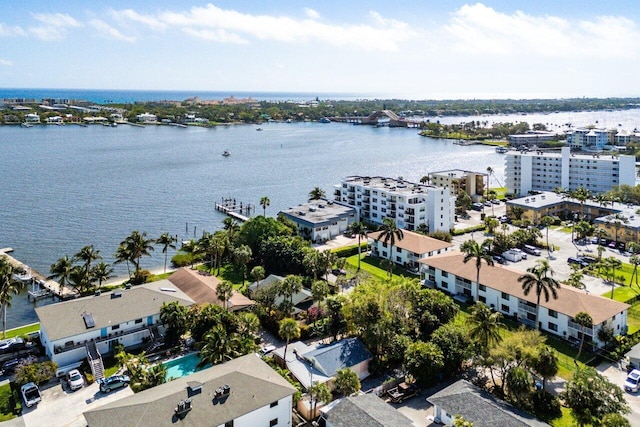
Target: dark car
<point x="10" y="365"/>
<point x="113" y="382"/>
<point x="498" y="259"/>
<point x="577" y="261"/>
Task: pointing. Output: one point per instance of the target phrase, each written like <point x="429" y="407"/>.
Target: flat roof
<point x="570" y="301"/>
<point x="457" y="173"/>
<point x="392" y="185"/>
<point x="319" y="212"/>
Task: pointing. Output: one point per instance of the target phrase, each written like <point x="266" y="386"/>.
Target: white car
<point x="266" y="349"/>
<point x="30" y="394"/>
<point x="75" y="379"/>
<point x="632" y="383"/>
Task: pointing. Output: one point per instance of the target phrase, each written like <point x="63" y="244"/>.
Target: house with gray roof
<point x="301" y="300"/>
<point x="478" y="407"/>
<point x="71" y="330"/>
<point x="363" y="410"/>
<point x="320" y="363"/>
<point x="321" y="220"/>
<point x="243" y="392"/>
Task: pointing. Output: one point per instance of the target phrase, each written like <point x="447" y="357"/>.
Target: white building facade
<point x="408" y="204"/>
<point x="589" y="139"/>
<point x="147" y="118"/>
<point x="321" y="220"/>
<point x="541" y="171"/>
<point x="408" y="250"/>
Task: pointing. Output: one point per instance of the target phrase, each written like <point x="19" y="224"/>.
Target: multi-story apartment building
<point x="590" y="139"/>
<point x="409" y="204"/>
<point x="542" y="171"/>
<point x="473" y="183"/>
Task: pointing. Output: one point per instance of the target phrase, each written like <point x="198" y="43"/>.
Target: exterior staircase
<point x="95" y="360"/>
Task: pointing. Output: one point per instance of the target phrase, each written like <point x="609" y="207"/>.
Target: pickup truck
<point x="403" y="391"/>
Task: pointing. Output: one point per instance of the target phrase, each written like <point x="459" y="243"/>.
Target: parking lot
<point x="61" y="407"/>
<point x="617" y="376"/>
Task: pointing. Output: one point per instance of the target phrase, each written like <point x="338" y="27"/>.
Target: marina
<point x="234" y="209"/>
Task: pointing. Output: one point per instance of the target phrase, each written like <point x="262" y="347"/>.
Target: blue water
<point x="103" y="96"/>
<point x="183" y="366"/>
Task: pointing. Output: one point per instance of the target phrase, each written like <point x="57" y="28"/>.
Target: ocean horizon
<point x="126" y="96"/>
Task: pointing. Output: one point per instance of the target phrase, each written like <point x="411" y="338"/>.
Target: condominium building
<point x="543" y="171"/>
<point x="321" y="220"/>
<point x="409" y="204"/>
<point x="590" y="139"/>
<point x="473" y="183"/>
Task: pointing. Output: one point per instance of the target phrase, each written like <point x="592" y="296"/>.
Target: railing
<point x="112" y="335"/>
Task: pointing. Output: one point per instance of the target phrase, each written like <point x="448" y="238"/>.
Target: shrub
<point x="348" y="251"/>
<point x="38" y="373"/>
<point x="545" y="405"/>
<point x="479" y="227"/>
<point x="442" y="235"/>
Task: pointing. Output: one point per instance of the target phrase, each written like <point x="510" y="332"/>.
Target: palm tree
<point x="319" y="291"/>
<point x="390" y="232"/>
<point x="289" y="286"/>
<point x="425" y="179"/>
<point x="224" y="291"/>
<point x="318" y="392"/>
<point x="101" y="272"/>
<point x="87" y="255"/>
<point x="485" y="326"/>
<point x="81" y="280"/>
<point x="473" y="250"/>
<point x="288" y="331"/>
<point x="257" y="273"/>
<point x="613" y="263"/>
<point x="264" y="202"/>
<point x="359" y="230"/>
<point x="61" y="270"/>
<point x="138" y="245"/>
<point x="317" y="193"/>
<point x="548" y="221"/>
<point x="585" y="321"/>
<point x="9" y="286"/>
<point x="581" y="195"/>
<point x="167" y="241"/>
<point x="123" y="255"/>
<point x="242" y="256"/>
<point x="635" y="261"/>
<point x="230" y="225"/>
<point x="539" y="278"/>
<point x="489" y="172"/>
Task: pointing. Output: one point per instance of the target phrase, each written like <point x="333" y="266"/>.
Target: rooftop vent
<point x="116" y="295"/>
<point x="194" y="387"/>
<point x="184" y="406"/>
<point x="89" y="322"/>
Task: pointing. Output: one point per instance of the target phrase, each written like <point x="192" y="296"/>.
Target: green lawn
<point x="566" y="420"/>
<point x="622" y="293"/>
<point x="371" y="265"/>
<point x="23" y="330"/>
<point x="633" y="319"/>
<point x="7" y="411"/>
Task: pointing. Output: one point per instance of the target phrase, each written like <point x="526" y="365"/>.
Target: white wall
<point x="262" y="416"/>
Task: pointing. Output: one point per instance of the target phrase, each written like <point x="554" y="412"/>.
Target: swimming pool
<point x="182" y="366"/>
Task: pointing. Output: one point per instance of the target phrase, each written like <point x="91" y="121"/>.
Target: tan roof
<point x="415" y="242"/>
<point x="570" y="301"/>
<point x="202" y="288"/>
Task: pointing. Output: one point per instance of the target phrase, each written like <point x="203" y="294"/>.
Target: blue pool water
<point x="182" y="366"/>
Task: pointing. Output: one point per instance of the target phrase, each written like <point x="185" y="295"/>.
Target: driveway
<point x="62" y="408"/>
<point x="617" y="376"/>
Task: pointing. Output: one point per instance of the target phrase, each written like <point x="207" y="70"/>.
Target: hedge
<point x="479" y="227"/>
<point x="347" y="251"/>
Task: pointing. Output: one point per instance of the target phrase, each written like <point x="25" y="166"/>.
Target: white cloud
<point x="230" y="26"/>
<point x="479" y="29"/>
<point x="57" y="20"/>
<point x="48" y="33"/>
<point x="110" y="31"/>
<point x="7" y="31"/>
<point x="311" y="14"/>
<point x="6" y="62"/>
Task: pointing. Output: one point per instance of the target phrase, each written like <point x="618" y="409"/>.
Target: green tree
<point x="614" y="420"/>
<point x="319" y="291"/>
<point x="264" y="202"/>
<point x="122" y="255"/>
<point x="359" y="230"/>
<point x="81" y="280"/>
<point x="317" y="193"/>
<point x="545" y="364"/>
<point x="288" y="331"/>
<point x="138" y="245"/>
<point x="390" y="232"/>
<point x="491" y="223"/>
<point x="347" y="382"/>
<point x="61" y="270"/>
<point x="257" y="274"/>
<point x="518" y="383"/>
<point x="585" y="321"/>
<point x="454" y="341"/>
<point x="613" y="264"/>
<point x="87" y="255"/>
<point x="473" y="251"/>
<point x="423" y="361"/>
<point x="581" y="195"/>
<point x="9" y="286"/>
<point x="591" y="396"/>
<point x="318" y="392"/>
<point x="167" y="241"/>
<point x="175" y="318"/>
<point x="484" y="326"/>
<point x="539" y="278"/>
<point x="242" y="255"/>
<point x="287" y="288"/>
<point x="635" y="261"/>
<point x="547" y="221"/>
<point x="458" y="421"/>
<point x="101" y="272"/>
<point x="224" y="291"/>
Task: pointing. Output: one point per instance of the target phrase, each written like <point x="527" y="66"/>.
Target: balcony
<point x="110" y="336"/>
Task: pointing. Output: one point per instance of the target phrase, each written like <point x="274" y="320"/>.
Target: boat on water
<point x="226" y="153"/>
<point x="501" y="150"/>
<point x="24" y="276"/>
<point x="324" y="120"/>
<point x="258" y="129"/>
<point x="26" y="125"/>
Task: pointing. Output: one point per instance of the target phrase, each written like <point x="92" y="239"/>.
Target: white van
<point x="531" y="250"/>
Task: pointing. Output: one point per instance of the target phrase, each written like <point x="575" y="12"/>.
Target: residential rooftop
<point x="415" y="242"/>
<point x="366" y="410"/>
<point x="399" y="186"/>
<point x="319" y="212"/>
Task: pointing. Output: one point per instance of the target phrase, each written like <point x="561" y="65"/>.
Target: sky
<point x="427" y="49"/>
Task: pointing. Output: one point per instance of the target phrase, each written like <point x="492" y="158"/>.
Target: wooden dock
<point x="237" y="210"/>
<point x="51" y="287"/>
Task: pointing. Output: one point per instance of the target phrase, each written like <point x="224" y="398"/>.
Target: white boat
<point x="258" y="129"/>
<point x="501" y="150"/>
<point x="24" y="276"/>
<point x="26" y="125"/>
<point x="226" y="153"/>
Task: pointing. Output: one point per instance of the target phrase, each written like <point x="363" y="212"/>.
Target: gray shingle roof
<point x="479" y="407"/>
<point x="366" y="410"/>
<point x="253" y="385"/>
<point x="344" y="353"/>
<point x="65" y="319"/>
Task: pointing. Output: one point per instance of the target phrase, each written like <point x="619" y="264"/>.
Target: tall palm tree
<point x="485" y="326"/>
<point x="80" y="280"/>
<point x="242" y="256"/>
<point x="264" y="202"/>
<point x="635" y="261"/>
<point x="61" y="270"/>
<point x="167" y="241"/>
<point x="613" y="263"/>
<point x="231" y="226"/>
<point x="474" y="251"/>
<point x="539" y="278"/>
<point x="585" y="321"/>
<point x="101" y="272"/>
<point x="9" y="286"/>
<point x="138" y="245"/>
<point x="581" y="195"/>
<point x="489" y="172"/>
<point x="548" y="221"/>
<point x="288" y="331"/>
<point x="317" y="193"/>
<point x="359" y="230"/>
<point x="87" y="255"/>
<point x="390" y="232"/>
<point x="425" y="179"/>
<point x="288" y="287"/>
<point x="224" y="291"/>
<point x="123" y="255"/>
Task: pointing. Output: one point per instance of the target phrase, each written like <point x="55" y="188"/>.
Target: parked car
<point x="476" y="206"/>
<point x="30" y="394"/>
<point x="113" y="382"/>
<point x="579" y="261"/>
<point x="495" y="201"/>
<point x="403" y="391"/>
<point x="498" y="259"/>
<point x="10" y="365"/>
<point x="532" y="250"/>
<point x="266" y="349"/>
<point x="595" y="240"/>
<point x="12" y="345"/>
<point x="632" y="383"/>
<point x="504" y="219"/>
<point x="612" y="245"/>
<point x="589" y="259"/>
<point x="487" y="204"/>
<point x="75" y="379"/>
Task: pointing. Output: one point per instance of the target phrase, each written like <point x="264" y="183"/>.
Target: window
<point x="445" y="274"/>
<point x="399" y="258"/>
<point x="505" y="308"/>
<point x="273" y="422"/>
<point x="138" y="321"/>
<point x="483" y="288"/>
<point x="553" y="327"/>
<point x="444" y="285"/>
<point x="114" y="327"/>
<point x="482" y="299"/>
<point x="554" y="314"/>
<point x="273" y="404"/>
<point x="505" y="296"/>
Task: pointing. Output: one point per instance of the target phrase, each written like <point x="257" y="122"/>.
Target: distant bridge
<point x="372" y="119"/>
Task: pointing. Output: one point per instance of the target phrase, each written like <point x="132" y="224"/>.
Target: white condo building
<point x="542" y="171"/>
<point x="409" y="204"/>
